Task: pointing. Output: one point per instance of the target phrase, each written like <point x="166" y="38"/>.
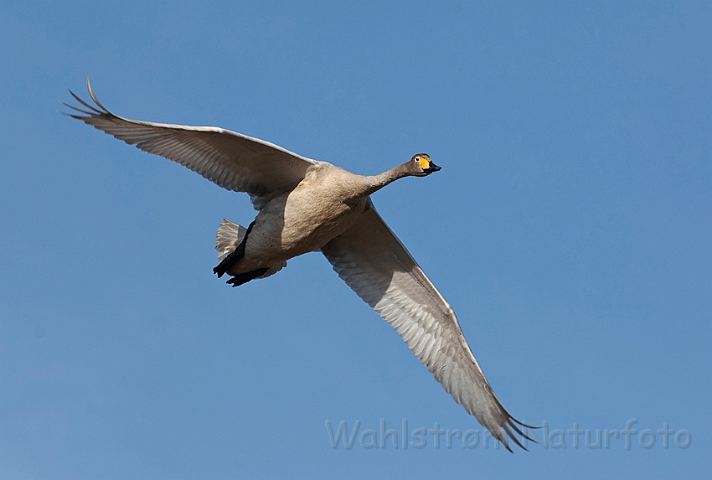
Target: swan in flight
<point x="306" y="205"/>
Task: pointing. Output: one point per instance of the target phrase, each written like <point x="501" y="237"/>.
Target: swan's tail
<point x="229" y="236"/>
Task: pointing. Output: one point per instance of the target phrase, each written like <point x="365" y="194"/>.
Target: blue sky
<point x="570" y="228"/>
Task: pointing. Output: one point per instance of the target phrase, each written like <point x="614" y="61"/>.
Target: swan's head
<point x="422" y="165"/>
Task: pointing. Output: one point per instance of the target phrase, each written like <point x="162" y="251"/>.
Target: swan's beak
<point x="432" y="168"/>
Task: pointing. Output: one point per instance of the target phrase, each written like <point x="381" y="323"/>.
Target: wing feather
<point x="231" y="160"/>
<point x="376" y="265"/>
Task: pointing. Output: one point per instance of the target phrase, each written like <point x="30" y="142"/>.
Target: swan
<point x="306" y="205"/>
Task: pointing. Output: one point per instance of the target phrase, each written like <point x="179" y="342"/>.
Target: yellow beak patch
<point x="424" y="162"/>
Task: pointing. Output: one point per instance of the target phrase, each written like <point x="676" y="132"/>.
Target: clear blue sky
<point x="570" y="228"/>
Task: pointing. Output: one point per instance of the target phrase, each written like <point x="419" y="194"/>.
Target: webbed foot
<point x="234" y="257"/>
<point x="243" y="278"/>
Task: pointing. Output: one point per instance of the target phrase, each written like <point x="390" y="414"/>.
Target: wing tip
<point x="511" y="424"/>
<point x="91" y="110"/>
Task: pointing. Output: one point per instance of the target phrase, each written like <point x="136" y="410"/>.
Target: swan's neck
<point x="377" y="182"/>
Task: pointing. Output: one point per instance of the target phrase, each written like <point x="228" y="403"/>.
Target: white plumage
<point x="306" y="205"/>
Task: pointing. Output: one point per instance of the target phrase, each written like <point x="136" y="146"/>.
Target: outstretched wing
<point x="231" y="160"/>
<point x="376" y="265"/>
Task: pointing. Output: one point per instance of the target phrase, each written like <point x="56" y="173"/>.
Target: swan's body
<point x="290" y="225"/>
<point x="306" y="205"/>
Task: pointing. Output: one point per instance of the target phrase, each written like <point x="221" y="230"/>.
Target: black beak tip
<point x="434" y="168"/>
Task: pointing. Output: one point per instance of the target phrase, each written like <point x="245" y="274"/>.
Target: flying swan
<point x="306" y="205"/>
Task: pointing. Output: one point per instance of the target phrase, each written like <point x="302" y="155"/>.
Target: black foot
<point x="243" y="278"/>
<point x="232" y="259"/>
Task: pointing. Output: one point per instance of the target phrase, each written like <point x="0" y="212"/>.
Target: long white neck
<point x="377" y="182"/>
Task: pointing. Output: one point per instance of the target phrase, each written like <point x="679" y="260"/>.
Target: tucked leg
<point x="235" y="256"/>
<point x="243" y="278"/>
